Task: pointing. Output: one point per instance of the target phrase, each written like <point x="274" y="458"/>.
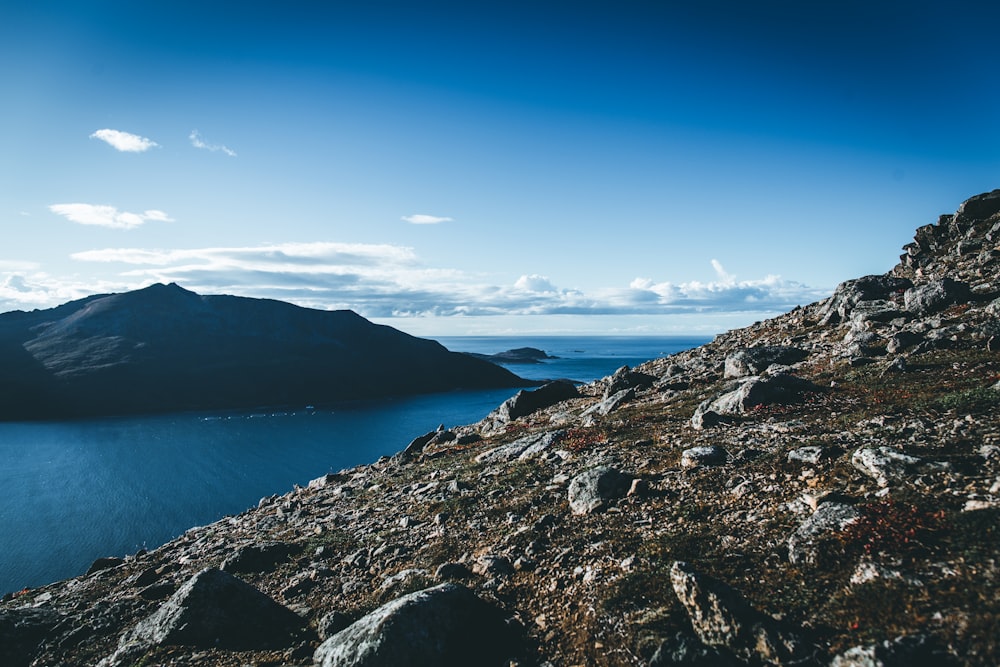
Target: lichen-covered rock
<point x="447" y="625"/>
<point x="886" y="465"/>
<point x="704" y="455"/>
<point x="781" y="389"/>
<point x="755" y="360"/>
<point x="935" y="295"/>
<point x="852" y="292"/>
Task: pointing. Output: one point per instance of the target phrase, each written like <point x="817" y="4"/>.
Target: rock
<point x="626" y="378"/>
<point x="447" y="625"/>
<point x="591" y="490"/>
<point x="886" y="465"/>
<point x="452" y="571"/>
<point x="805" y="543"/>
<point x="524" y="403"/>
<point x="754" y="391"/>
<point x="906" y="651"/>
<point x="493" y="565"/>
<point x="331" y="623"/>
<point x="104" y="564"/>
<point x="416" y="446"/>
<point x="935" y="296"/>
<point x="852" y="292"/>
<point x="521" y="449"/>
<point x="213" y="609"/>
<point x="705" y="455"/>
<point x="902" y="340"/>
<point x="22" y="630"/>
<point x="814" y="454"/>
<point x="611" y="403"/>
<point x="722" y="617"/>
<point x="755" y="360"/>
<point x="683" y="649"/>
<point x="255" y="558"/>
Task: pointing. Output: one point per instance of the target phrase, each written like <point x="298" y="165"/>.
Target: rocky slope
<point x="822" y="488"/>
<point x="164" y="349"/>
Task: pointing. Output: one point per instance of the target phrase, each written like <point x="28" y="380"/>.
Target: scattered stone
<point x="446" y="625"/>
<point x="592" y="490"/>
<point x="805" y="544"/>
<point x="493" y="565"/>
<point x="611" y="403"/>
<point x="452" y="571"/>
<point x="683" y="649"/>
<point x="721" y="617"/>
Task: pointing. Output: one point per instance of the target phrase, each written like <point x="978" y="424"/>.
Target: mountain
<point x="164" y="348"/>
<point x="821" y="488"/>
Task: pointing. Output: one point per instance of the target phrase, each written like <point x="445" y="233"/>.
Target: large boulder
<point x="935" y="295"/>
<point x="852" y="292"/>
<point x="525" y="402"/>
<point x="213" y="609"/>
<point x="445" y="626"/>
<point x="780" y="389"/>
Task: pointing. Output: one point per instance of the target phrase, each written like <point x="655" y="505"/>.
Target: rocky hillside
<point x="166" y="349"/>
<point x="822" y="488"/>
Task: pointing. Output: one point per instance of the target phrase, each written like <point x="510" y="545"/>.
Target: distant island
<point x="165" y="348"/>
<point x="520" y="355"/>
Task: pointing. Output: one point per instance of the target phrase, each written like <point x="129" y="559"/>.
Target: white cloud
<point x="107" y="216"/>
<point x="421" y="219"/>
<point x="124" y="141"/>
<point x="197" y="142"/>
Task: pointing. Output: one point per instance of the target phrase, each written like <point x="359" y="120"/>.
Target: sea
<point x="75" y="491"/>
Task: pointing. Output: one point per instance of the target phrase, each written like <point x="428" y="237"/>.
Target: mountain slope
<point x="822" y="488"/>
<point x="164" y="348"/>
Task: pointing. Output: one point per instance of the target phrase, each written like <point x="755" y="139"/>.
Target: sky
<point x="487" y="168"/>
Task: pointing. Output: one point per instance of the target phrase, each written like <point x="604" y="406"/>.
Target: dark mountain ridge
<point x="164" y="348"/>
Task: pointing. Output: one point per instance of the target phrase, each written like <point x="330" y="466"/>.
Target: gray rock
<point x="755" y="360"/>
<point x="256" y="558"/>
<point x="521" y="449"/>
<point x="781" y="389"/>
<point x="21" y="632"/>
<point x="814" y="454"/>
<point x="805" y="543"/>
<point x="626" y="378"/>
<point x="445" y="625"/>
<point x="611" y="403"/>
<point x="416" y="446"/>
<point x="213" y="609"/>
<point x="591" y="490"/>
<point x="722" y="617"/>
<point x="452" y="570"/>
<point x="935" y="296"/>
<point x="852" y="292"/>
<point x="906" y="651"/>
<point x="683" y="649"/>
<point x="524" y="403"/>
<point x="704" y="455"/>
<point x="102" y="564"/>
<point x="886" y="465"/>
<point x="902" y="340"/>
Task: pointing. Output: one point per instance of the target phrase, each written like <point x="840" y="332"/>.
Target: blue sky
<point x="490" y="167"/>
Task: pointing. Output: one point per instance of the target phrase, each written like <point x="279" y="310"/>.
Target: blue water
<point x="73" y="491"/>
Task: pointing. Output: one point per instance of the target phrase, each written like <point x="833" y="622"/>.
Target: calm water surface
<point x="75" y="491"/>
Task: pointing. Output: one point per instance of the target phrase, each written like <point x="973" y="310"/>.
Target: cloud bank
<point x="386" y="281"/>
<point x="107" y="216"/>
<point x="197" y="142"/>
<point x="125" y="142"/>
<point x="421" y="219"/>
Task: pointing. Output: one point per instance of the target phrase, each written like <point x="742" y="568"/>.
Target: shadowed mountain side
<point x="164" y="348"/>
